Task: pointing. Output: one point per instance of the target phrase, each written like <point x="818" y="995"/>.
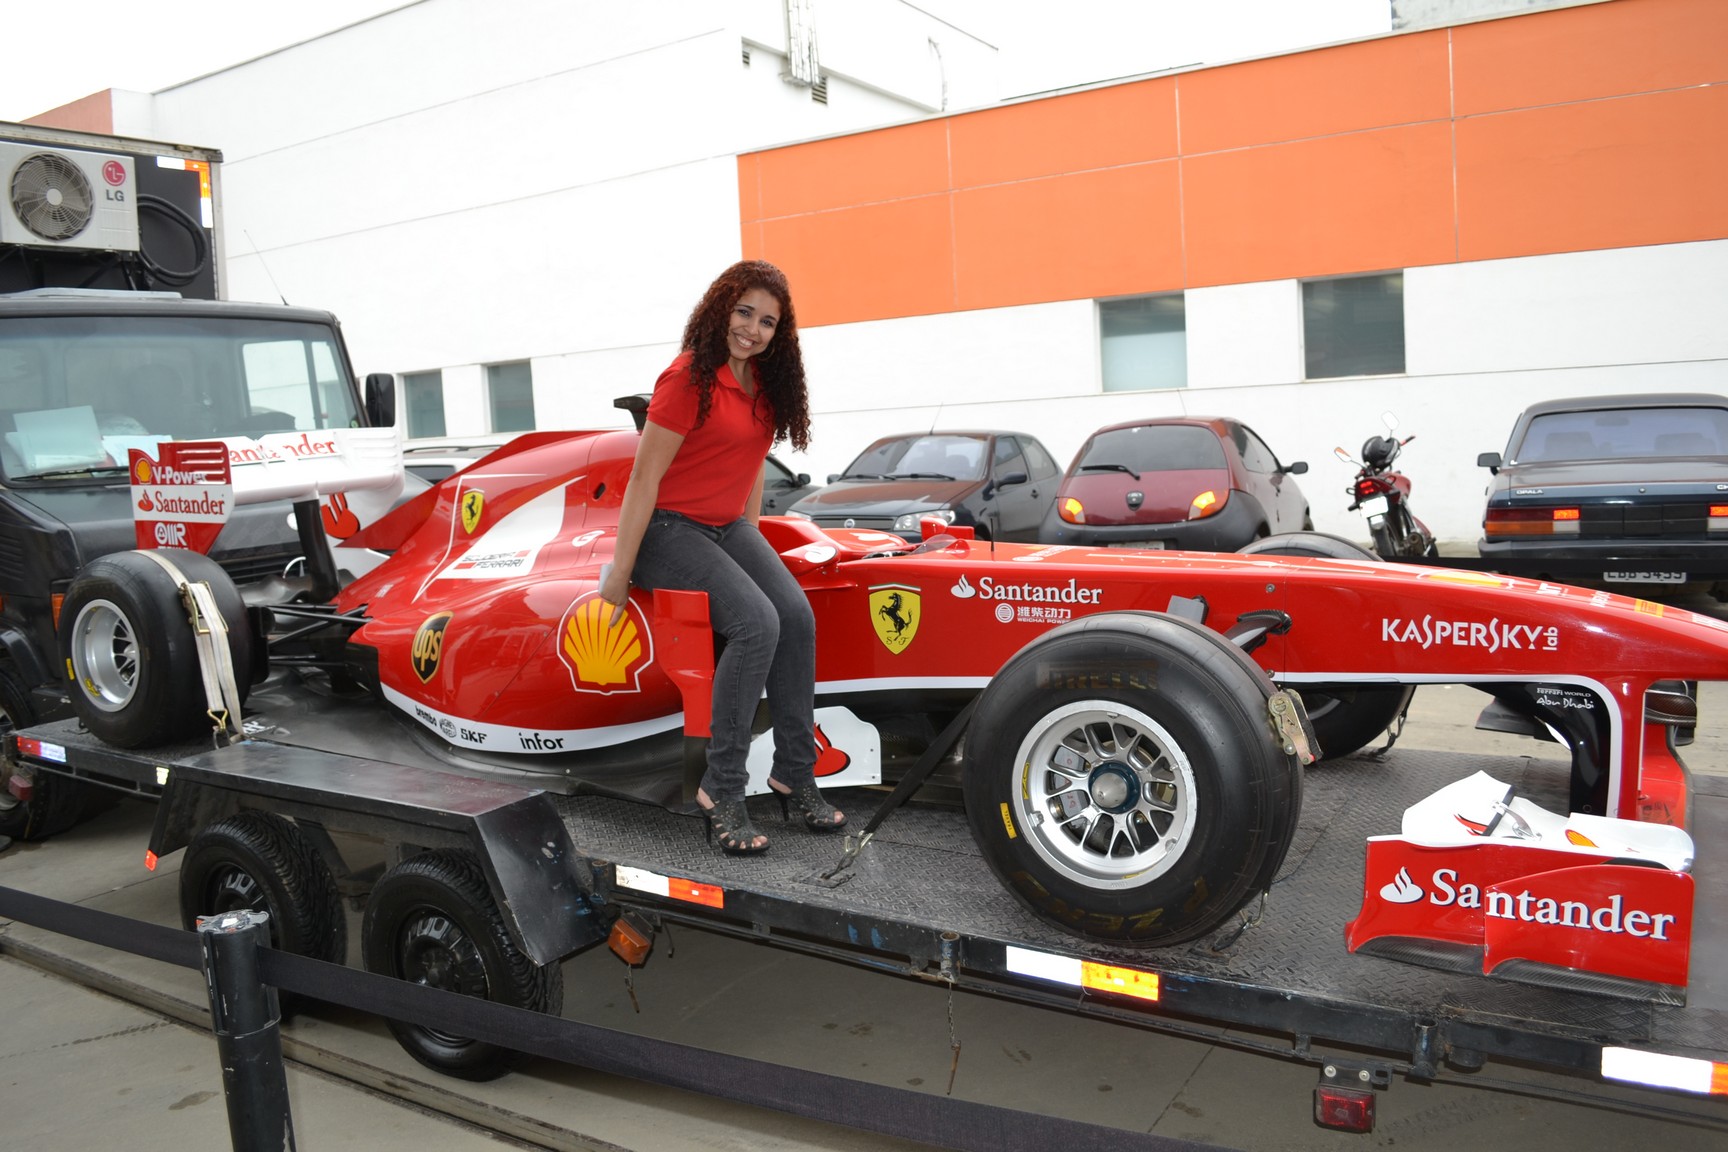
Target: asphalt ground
<point x="106" y="1049"/>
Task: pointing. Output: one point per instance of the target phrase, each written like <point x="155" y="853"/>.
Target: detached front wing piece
<point x="1483" y="879"/>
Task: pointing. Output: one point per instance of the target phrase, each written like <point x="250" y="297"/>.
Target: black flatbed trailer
<point x="920" y="901"/>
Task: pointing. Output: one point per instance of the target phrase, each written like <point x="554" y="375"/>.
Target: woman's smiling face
<point x="752" y="324"/>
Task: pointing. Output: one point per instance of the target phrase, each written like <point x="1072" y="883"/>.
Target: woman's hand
<point x="615" y="590"/>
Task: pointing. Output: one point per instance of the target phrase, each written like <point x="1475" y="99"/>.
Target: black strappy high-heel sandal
<point x="819" y="815"/>
<point x="728" y="821"/>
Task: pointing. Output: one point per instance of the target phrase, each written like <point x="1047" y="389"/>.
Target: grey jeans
<point x="770" y="633"/>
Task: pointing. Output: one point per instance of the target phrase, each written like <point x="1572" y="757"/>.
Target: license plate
<point x="1153" y="544"/>
<point x="1630" y="577"/>
<point x="1374" y="506"/>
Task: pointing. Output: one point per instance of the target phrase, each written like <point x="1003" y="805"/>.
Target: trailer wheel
<point x="260" y="861"/>
<point x="1346" y="717"/>
<point x="1123" y="779"/>
<point x="129" y="649"/>
<point x="431" y="920"/>
<point x="56" y="803"/>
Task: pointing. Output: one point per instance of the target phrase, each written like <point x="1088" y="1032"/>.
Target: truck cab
<point x="88" y="375"/>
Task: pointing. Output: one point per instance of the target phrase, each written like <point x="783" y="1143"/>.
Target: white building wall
<point x="465" y="182"/>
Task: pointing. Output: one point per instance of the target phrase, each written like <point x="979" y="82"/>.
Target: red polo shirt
<point x="716" y="467"/>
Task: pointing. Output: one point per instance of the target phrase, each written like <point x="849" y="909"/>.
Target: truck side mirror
<point x="380" y="400"/>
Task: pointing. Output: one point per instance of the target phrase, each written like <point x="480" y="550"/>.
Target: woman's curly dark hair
<point x="779" y="371"/>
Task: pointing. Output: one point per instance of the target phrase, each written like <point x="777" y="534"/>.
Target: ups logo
<point x="429" y="646"/>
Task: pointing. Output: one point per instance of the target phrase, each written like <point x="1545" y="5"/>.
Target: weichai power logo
<point x="602" y="656"/>
<point x="429" y="646"/>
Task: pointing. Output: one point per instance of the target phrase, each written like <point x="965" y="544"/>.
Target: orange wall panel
<point x="1353" y="203"/>
<point x="889" y="164"/>
<point x="1595" y="126"/>
<point x="92" y="113"/>
<point x="1102" y="128"/>
<point x="1105" y="233"/>
<point x="1585" y="53"/>
<point x="750" y="186"/>
<point x="866" y="263"/>
<point x="1395" y="80"/>
<point x="1605" y="174"/>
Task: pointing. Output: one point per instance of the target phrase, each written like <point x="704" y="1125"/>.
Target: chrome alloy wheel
<point x="1106" y="795"/>
<point x="105" y="655"/>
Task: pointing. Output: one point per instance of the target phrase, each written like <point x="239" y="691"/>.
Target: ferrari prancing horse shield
<point x="894" y="611"/>
<point x="472" y="501"/>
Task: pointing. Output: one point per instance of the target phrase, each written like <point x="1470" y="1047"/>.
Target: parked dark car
<point x="782" y="487"/>
<point x="1199" y="483"/>
<point x="1613" y="490"/>
<point x="999" y="483"/>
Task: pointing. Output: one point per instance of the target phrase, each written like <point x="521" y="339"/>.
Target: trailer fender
<point x="544" y="888"/>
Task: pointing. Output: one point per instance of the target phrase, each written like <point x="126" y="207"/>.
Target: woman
<point x="689" y="522"/>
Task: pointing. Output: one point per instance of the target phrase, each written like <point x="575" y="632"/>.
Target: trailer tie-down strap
<point x="210" y="632"/>
<point x="909" y="784"/>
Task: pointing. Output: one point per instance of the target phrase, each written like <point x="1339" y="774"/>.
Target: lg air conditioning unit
<point x="66" y="198"/>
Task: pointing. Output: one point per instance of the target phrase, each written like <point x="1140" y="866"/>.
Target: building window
<point x="510" y="392"/>
<point x="1144" y="343"/>
<point x="423" y="393"/>
<point x="1353" y="326"/>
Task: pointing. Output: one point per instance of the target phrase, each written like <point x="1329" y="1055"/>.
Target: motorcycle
<point x="1383" y="496"/>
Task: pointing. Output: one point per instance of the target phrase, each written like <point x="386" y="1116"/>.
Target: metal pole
<point x="247" y="1022"/>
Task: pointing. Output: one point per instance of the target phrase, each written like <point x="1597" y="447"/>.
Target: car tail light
<point x="1071" y="510"/>
<point x="1718" y="518"/>
<point x="1531" y="522"/>
<point x="1208" y="503"/>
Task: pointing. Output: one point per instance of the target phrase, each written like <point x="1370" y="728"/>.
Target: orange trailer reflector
<point x="1082" y="973"/>
<point x="671" y="887"/>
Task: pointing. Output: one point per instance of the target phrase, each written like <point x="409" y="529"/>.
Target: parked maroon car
<point x="1198" y="483"/>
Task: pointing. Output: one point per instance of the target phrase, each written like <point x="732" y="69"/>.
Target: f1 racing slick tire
<point x="431" y="920"/>
<point x="259" y="861"/>
<point x="129" y="650"/>
<point x="1124" y="781"/>
<point x="55" y="802"/>
<point x="1346" y="717"/>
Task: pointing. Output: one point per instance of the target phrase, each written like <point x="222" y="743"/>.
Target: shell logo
<point x="141" y="471"/>
<point x="603" y="658"/>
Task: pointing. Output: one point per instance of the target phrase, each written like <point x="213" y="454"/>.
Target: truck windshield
<point x="77" y="391"/>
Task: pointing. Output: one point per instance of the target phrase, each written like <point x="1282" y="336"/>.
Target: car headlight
<point x="909" y="522"/>
<point x="797" y="515"/>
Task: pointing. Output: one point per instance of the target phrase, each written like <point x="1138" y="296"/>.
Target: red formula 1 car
<point x="1132" y="753"/>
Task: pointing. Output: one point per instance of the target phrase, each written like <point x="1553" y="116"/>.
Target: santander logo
<point x="1402" y="890"/>
<point x="1445" y="890"/>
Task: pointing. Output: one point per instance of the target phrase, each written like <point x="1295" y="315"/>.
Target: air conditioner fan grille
<point x="51" y="196"/>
